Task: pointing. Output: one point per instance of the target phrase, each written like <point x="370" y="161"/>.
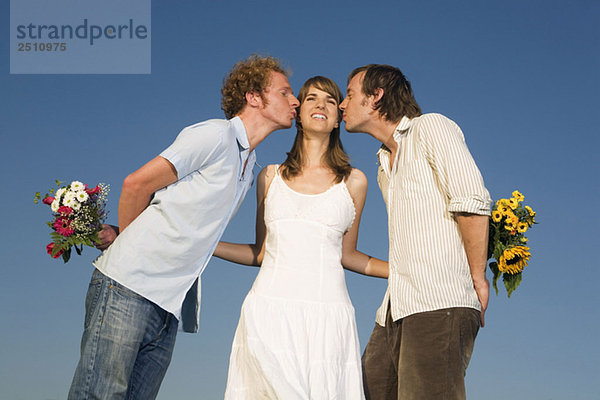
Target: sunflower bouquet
<point x="507" y="245"/>
<point x="78" y="213"/>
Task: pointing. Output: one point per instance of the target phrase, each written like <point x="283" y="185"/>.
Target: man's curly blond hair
<point x="250" y="75"/>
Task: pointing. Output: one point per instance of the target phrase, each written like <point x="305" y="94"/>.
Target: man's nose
<point x="294" y="101"/>
<point x="343" y="105"/>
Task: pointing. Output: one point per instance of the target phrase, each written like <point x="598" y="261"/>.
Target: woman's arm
<point x="353" y="259"/>
<point x="251" y="254"/>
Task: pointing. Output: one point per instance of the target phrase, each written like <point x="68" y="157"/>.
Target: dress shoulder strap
<point x="275" y="178"/>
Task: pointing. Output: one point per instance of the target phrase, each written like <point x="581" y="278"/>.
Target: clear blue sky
<point x="520" y="77"/>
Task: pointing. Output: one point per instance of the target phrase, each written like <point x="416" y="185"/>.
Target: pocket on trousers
<point x="91" y="300"/>
<point x="469" y="327"/>
<point x="126" y="292"/>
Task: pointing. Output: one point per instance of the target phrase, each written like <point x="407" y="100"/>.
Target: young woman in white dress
<point x="297" y="338"/>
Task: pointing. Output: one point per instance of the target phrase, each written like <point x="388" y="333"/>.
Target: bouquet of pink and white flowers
<point x="78" y="214"/>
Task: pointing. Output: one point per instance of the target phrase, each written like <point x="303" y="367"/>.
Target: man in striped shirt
<point x="438" y="210"/>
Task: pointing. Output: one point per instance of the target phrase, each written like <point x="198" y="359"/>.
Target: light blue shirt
<point x="162" y="253"/>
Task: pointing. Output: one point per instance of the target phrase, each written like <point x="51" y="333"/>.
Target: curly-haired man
<point x="172" y="212"/>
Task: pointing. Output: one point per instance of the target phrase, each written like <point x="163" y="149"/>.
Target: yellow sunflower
<point x="531" y="214"/>
<point x="517" y="195"/>
<point x="504" y="208"/>
<point x="511" y="223"/>
<point x="530" y="210"/>
<point x="522" y="227"/>
<point x="514" y="260"/>
<point x="513" y="203"/>
<point x="496" y="216"/>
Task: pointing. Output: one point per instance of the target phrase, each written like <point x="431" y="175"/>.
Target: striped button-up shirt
<point x="433" y="176"/>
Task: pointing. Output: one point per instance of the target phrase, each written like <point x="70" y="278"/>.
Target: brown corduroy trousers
<point x="422" y="356"/>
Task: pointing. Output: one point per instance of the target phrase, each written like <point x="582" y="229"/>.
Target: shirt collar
<point x="240" y="132"/>
<point x="401" y="129"/>
<point x="403" y="126"/>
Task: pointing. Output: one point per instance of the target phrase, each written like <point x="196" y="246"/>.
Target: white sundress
<point x="297" y="337"/>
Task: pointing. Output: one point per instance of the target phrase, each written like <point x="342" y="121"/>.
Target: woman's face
<point x="319" y="111"/>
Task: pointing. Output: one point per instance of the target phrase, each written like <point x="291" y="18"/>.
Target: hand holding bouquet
<point x="78" y="214"/>
<point x="509" y="221"/>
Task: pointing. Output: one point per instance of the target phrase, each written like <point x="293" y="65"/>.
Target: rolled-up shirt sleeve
<point x="193" y="148"/>
<point x="446" y="151"/>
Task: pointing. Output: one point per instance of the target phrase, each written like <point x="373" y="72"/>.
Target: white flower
<point x="55" y="204"/>
<point x="59" y="193"/>
<point x="71" y="201"/>
<point x="81" y="196"/>
<point x="69" y="195"/>
<point x="76" y="186"/>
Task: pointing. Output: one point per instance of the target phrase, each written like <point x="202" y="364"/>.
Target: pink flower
<point x="48" y="200"/>
<point x="49" y="249"/>
<point x="92" y="191"/>
<point x="64" y="210"/>
<point x="63" y="226"/>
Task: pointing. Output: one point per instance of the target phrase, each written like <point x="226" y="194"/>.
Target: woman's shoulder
<point x="269" y="171"/>
<point x="265" y="177"/>
<point x="356" y="177"/>
<point x="356" y="181"/>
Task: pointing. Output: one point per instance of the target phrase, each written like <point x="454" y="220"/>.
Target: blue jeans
<point x="126" y="346"/>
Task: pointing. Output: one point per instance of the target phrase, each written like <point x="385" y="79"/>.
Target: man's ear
<point x="378" y="95"/>
<point x="254" y="100"/>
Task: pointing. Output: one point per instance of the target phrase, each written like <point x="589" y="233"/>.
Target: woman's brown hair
<point x="334" y="157"/>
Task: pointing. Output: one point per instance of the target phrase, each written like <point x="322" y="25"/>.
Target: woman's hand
<point x="353" y="259"/>
<point x="251" y="254"/>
